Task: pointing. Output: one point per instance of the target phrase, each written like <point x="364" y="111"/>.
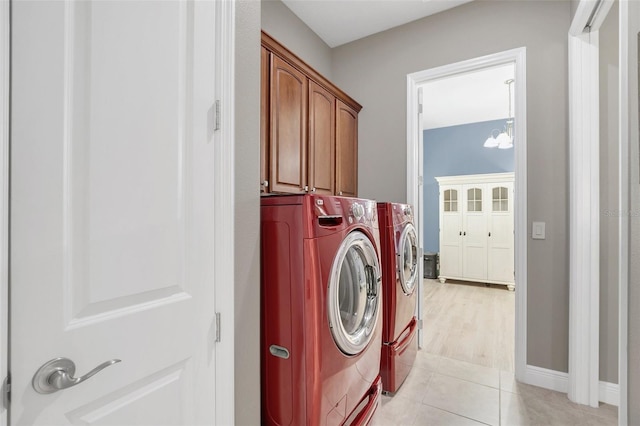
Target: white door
<point x="112" y="242"/>
<point x="450" y="231"/>
<point x="474" y="233"/>
<point x="500" y="234"/>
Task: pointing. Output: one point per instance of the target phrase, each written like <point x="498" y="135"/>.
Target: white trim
<point x="414" y="171"/>
<point x="629" y="12"/>
<point x="5" y="68"/>
<point x="584" y="12"/>
<point x="481" y="178"/>
<point x="559" y="382"/>
<point x="224" y="214"/>
<point x="584" y="219"/>
<point x="548" y="379"/>
<point x="609" y="393"/>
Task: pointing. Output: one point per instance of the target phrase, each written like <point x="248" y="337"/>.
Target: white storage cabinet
<point x="476" y="228"/>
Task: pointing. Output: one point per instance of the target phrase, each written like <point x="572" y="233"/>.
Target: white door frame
<point x="415" y="174"/>
<point x="224" y="202"/>
<point x="4" y="198"/>
<point x="628" y="129"/>
<point x="584" y="214"/>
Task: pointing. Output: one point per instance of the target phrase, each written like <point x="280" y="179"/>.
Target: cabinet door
<point x="264" y="120"/>
<point x="450" y="231"/>
<point x="322" y="140"/>
<point x="500" y="232"/>
<point x="288" y="143"/>
<point x="474" y="233"/>
<point x="346" y="150"/>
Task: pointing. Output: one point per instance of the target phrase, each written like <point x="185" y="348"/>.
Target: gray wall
<point x="247" y="213"/>
<point x="373" y="71"/>
<point x="283" y="25"/>
<point x="609" y="199"/>
<point x="634" y="219"/>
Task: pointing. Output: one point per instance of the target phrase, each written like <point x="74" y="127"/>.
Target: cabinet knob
<point x="464" y="233"/>
<point x="489" y="233"/>
<point x="305" y="188"/>
<point x="313" y="190"/>
<point x="265" y="183"/>
<point x="340" y="193"/>
<point x="460" y="233"/>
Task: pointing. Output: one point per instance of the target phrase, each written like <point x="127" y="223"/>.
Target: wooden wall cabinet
<point x="308" y="128"/>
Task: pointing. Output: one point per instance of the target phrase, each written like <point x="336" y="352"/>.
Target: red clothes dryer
<point x="399" y="250"/>
<point x="321" y="302"/>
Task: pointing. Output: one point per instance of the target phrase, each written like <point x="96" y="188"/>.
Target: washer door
<point x="354" y="293"/>
<point x="408" y="259"/>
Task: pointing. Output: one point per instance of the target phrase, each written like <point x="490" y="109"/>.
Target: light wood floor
<point x="469" y="322"/>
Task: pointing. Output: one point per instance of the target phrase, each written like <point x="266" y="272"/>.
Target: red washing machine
<point x="399" y="249"/>
<point x="321" y="301"/>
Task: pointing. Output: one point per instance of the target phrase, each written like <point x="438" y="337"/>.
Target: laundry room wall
<point x="246" y="284"/>
<point x="609" y="201"/>
<point x="283" y="25"/>
<point x="374" y="71"/>
<point x="457" y="150"/>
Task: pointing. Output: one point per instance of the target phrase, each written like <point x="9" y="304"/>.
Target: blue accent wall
<point x="457" y="150"/>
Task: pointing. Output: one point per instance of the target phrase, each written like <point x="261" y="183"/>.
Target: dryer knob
<point x="357" y="210"/>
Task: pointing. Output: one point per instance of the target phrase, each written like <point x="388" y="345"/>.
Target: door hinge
<point x="217" y="327"/>
<point x="420" y="324"/>
<point x="6" y="392"/>
<point x="218" y="112"/>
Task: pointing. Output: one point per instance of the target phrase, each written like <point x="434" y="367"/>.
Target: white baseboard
<point x="609" y="393"/>
<point x="548" y="379"/>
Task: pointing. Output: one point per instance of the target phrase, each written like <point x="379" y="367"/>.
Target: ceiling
<point x="468" y="98"/>
<point x="338" y="22"/>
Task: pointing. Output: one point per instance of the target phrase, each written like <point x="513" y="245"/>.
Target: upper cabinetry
<point x="308" y="129"/>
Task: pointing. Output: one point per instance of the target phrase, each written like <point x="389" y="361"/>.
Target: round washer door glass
<point x="354" y="293"/>
<point x="408" y="259"/>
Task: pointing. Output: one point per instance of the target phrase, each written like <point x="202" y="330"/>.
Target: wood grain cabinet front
<point x="346" y="150"/>
<point x="309" y="128"/>
<point x="322" y="140"/>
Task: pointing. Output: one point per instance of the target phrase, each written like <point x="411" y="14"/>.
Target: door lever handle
<point x="57" y="374"/>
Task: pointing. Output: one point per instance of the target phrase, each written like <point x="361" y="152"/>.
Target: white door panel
<point x="474" y="240"/>
<point x="112" y="209"/>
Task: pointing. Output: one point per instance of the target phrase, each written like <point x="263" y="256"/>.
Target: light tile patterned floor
<point x="459" y="379"/>
<point x="442" y="391"/>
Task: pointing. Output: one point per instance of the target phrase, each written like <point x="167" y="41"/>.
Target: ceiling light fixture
<point x="504" y="140"/>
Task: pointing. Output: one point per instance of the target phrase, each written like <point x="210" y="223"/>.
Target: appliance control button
<point x="357" y="210"/>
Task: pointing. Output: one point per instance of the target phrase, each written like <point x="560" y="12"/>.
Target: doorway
<point x="416" y="173"/>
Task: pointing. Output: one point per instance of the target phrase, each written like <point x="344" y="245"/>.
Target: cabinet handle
<point x="460" y="233"/>
<point x="489" y="233"/>
<point x="464" y="233"/>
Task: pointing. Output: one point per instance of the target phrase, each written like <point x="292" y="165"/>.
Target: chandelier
<point x="504" y="139"/>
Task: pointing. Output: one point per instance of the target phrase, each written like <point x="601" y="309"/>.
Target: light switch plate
<point x="538" y="231"/>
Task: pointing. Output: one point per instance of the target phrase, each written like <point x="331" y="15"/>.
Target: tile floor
<point x="443" y="391"/>
<point x="458" y="380"/>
